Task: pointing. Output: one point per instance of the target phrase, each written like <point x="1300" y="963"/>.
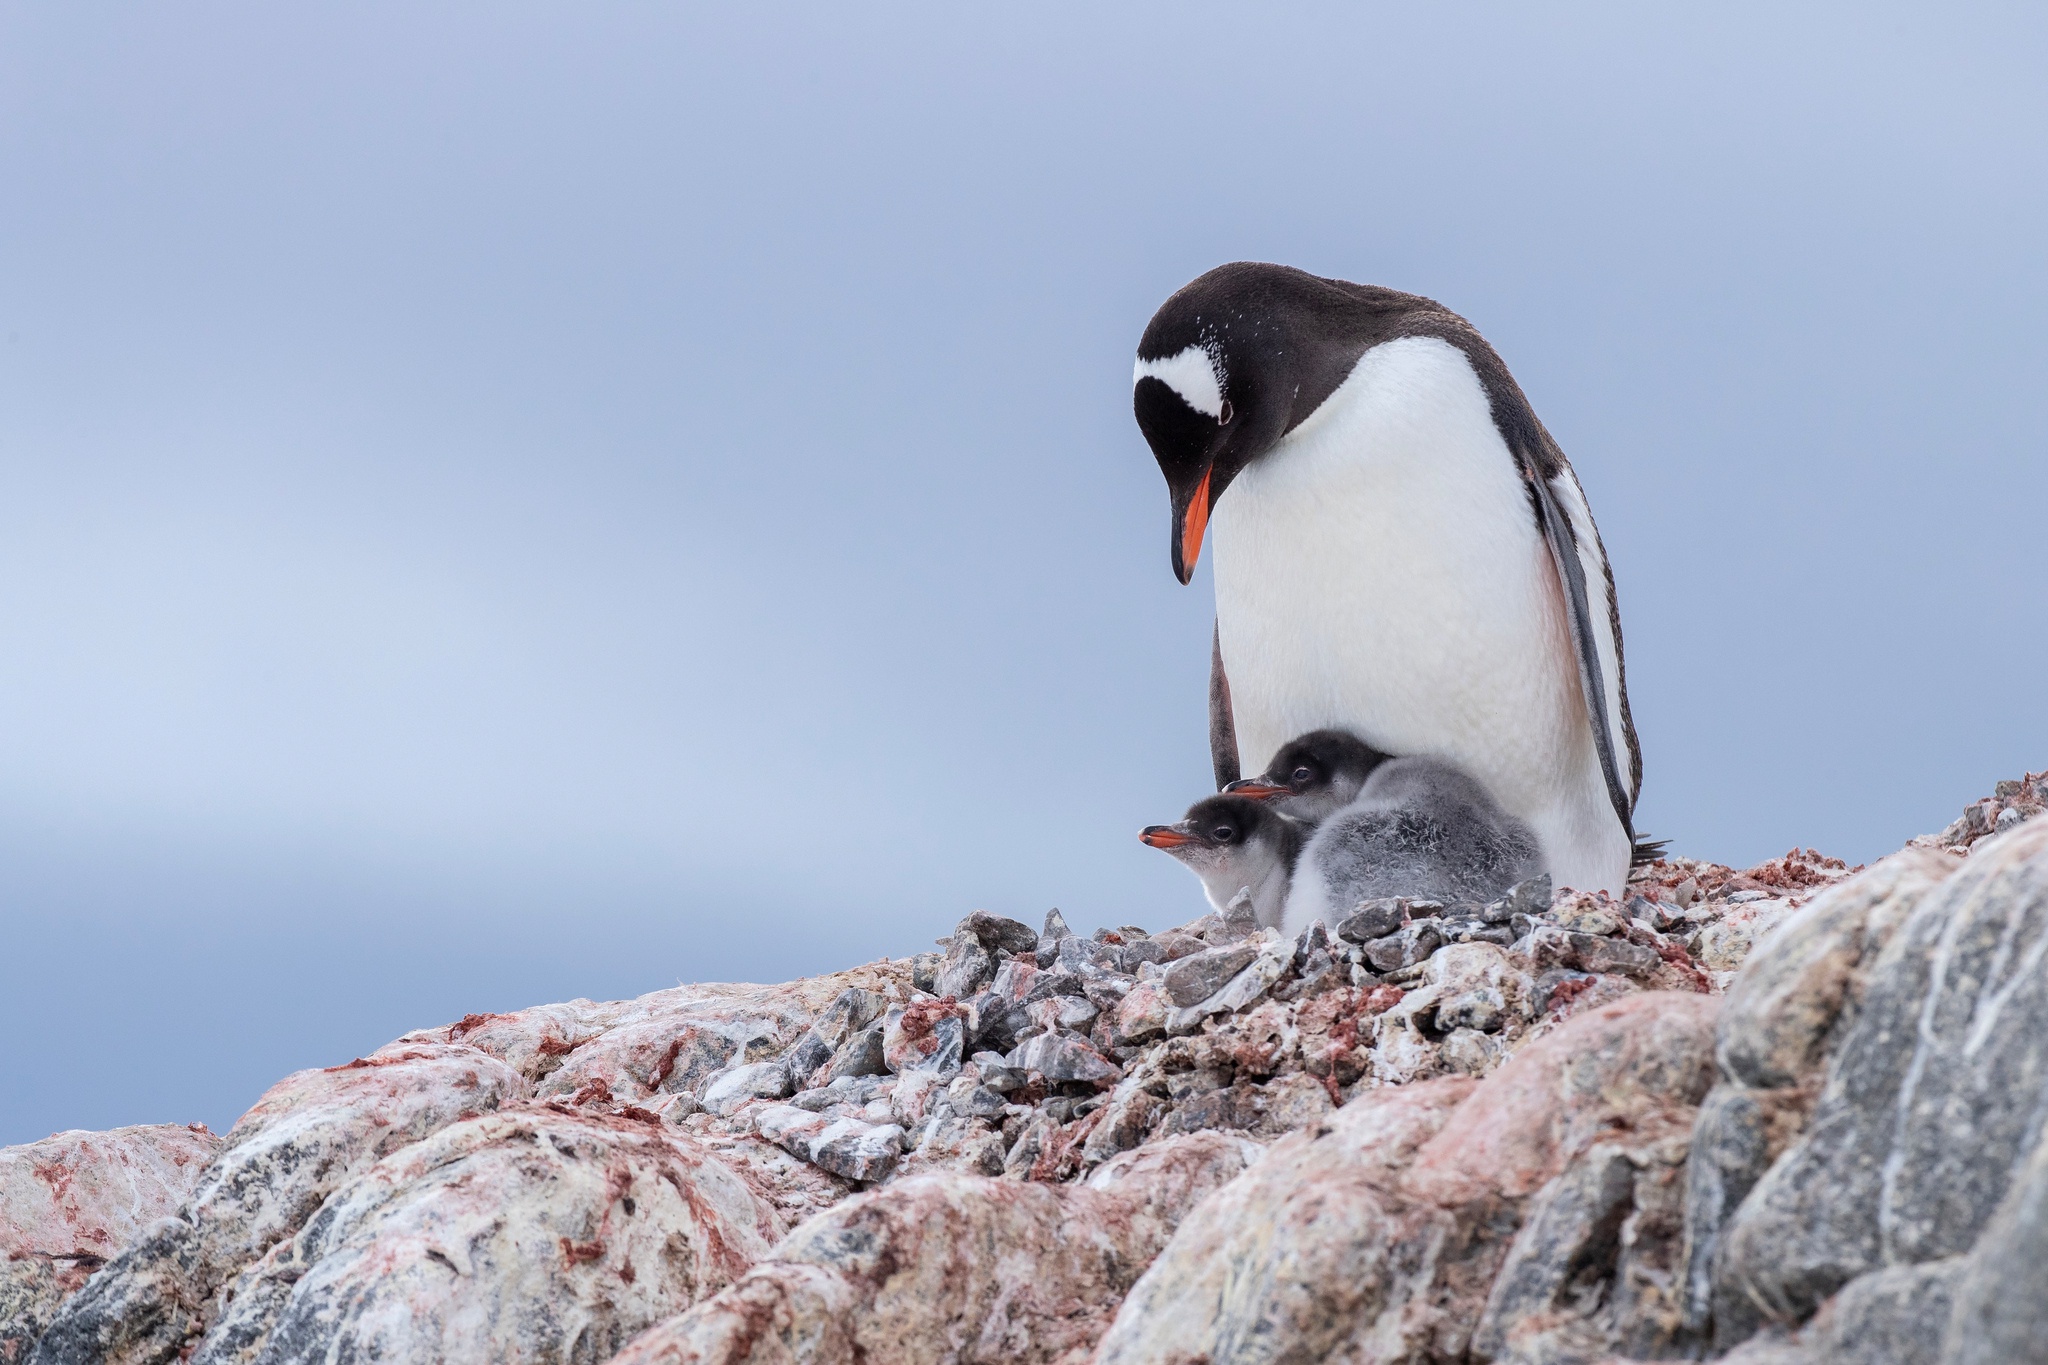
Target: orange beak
<point x="1163" y="836"/>
<point x="1193" y="522"/>
<point x="1257" y="790"/>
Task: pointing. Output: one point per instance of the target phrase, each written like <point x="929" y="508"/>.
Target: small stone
<point x="1050" y="936"/>
<point x="1374" y="920"/>
<point x="753" y="1081"/>
<point x="1025" y="1151"/>
<point x="1129" y="1121"/>
<point x="2009" y="818"/>
<point x="1484" y="1010"/>
<point x="1194" y="979"/>
<point x="1469" y="1052"/>
<point x="1532" y="896"/>
<point x="1413" y="944"/>
<point x="1141" y="1015"/>
<point x="1240" y="920"/>
<point x="925" y="1036"/>
<point x="971" y="1099"/>
<point x="924" y="971"/>
<point x="854" y="1150"/>
<point x="997" y="932"/>
<point x="1685" y="893"/>
<point x="860" y="1055"/>
<point x="967" y="968"/>
<point x="1589" y="917"/>
<point x="1061" y="1057"/>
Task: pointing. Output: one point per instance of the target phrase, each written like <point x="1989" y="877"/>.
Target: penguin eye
<point x="1303" y="776"/>
<point x="1224" y="414"/>
<point x="1223" y="834"/>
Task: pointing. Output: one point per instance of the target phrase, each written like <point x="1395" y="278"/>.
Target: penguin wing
<point x="1222" y="725"/>
<point x="1582" y="569"/>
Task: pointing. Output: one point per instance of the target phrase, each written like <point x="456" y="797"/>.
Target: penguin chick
<point x="1420" y="827"/>
<point x="1234" y="843"/>
<point x="1314" y="775"/>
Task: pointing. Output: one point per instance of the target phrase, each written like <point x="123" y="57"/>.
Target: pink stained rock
<point x="81" y="1194"/>
<point x="301" y="1141"/>
<point x="533" y="1234"/>
<point x="954" y="1268"/>
<point x="1376" y="1233"/>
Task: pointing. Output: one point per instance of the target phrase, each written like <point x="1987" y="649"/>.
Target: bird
<point x="1234" y="844"/>
<point x="1419" y="828"/>
<point x="1401" y="549"/>
<point x="1313" y="776"/>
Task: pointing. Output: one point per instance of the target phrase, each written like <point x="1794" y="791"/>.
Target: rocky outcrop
<point x="69" y="1202"/>
<point x="1792" y="1114"/>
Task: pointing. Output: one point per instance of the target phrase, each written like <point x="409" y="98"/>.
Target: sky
<point x="508" y="502"/>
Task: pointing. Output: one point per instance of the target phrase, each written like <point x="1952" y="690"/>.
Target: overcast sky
<point x="504" y="502"/>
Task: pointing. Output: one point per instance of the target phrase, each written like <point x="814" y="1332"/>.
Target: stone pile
<point x="1524" y="1131"/>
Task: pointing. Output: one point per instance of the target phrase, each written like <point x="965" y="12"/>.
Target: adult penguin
<point x="1401" y="549"/>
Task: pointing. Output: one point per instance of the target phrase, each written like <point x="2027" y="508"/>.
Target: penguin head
<point x="1228" y="365"/>
<point x="1313" y="775"/>
<point x="1220" y="832"/>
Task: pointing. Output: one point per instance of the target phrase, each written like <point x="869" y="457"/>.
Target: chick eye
<point x="1225" y="413"/>
<point x="1223" y="834"/>
<point x="1303" y="775"/>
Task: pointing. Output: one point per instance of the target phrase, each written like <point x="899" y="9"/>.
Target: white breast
<point x="1381" y="570"/>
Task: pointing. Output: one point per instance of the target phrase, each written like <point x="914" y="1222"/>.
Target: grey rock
<point x="1572" y="1223"/>
<point x="1737" y="1136"/>
<point x="1240" y="920"/>
<point x="852" y="1011"/>
<point x="753" y="1081"/>
<point x="924" y="1037"/>
<point x="1062" y="1057"/>
<point x="1896" y="1316"/>
<point x="968" y="967"/>
<point x="924" y="971"/>
<point x="1413" y="943"/>
<point x="1613" y="955"/>
<point x="998" y="933"/>
<point x="1049" y="937"/>
<point x="1194" y="979"/>
<point x="1999" y="1313"/>
<point x="1929" y="1101"/>
<point x="860" y="1055"/>
<point x="1373" y="920"/>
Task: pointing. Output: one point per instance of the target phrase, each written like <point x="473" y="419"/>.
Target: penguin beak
<point x="1257" y="790"/>
<point x="1163" y="836"/>
<point x="1190" y="519"/>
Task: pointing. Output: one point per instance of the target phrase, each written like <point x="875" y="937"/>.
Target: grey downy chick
<point x="1234" y="843"/>
<point x="1313" y="776"/>
<point x="1420" y="827"/>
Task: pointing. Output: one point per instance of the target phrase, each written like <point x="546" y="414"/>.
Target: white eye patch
<point x="1192" y="374"/>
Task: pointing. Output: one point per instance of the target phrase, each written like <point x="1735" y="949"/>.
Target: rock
<point x="1373" y="920"/>
<point x="999" y="934"/>
<point x="1411" y="944"/>
<point x="1062" y="1058"/>
<point x="81" y="1196"/>
<point x="967" y="968"/>
<point x="1382" y="1223"/>
<point x="1999" y="1314"/>
<point x="851" y="1012"/>
<point x="1141" y="1015"/>
<point x="951" y="1267"/>
<point x="306" y="1137"/>
<point x="860" y="1055"/>
<point x="1927" y="1101"/>
<point x="847" y="1147"/>
<point x="926" y="1035"/>
<point x="1892" y="1317"/>
<point x="527" y="1235"/>
<point x="744" y="1084"/>
<point x="1194" y="979"/>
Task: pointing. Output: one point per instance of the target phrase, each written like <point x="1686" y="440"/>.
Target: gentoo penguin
<point x="1419" y="828"/>
<point x="1234" y="844"/>
<point x="1401" y="549"/>
<point x="1314" y="775"/>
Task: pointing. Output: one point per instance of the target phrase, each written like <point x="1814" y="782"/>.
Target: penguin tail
<point x="1647" y="850"/>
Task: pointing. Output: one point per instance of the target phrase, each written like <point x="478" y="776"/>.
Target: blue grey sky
<point x="507" y="502"/>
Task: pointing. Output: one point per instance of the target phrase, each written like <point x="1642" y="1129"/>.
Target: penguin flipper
<point x="1564" y="553"/>
<point x="1222" y="726"/>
